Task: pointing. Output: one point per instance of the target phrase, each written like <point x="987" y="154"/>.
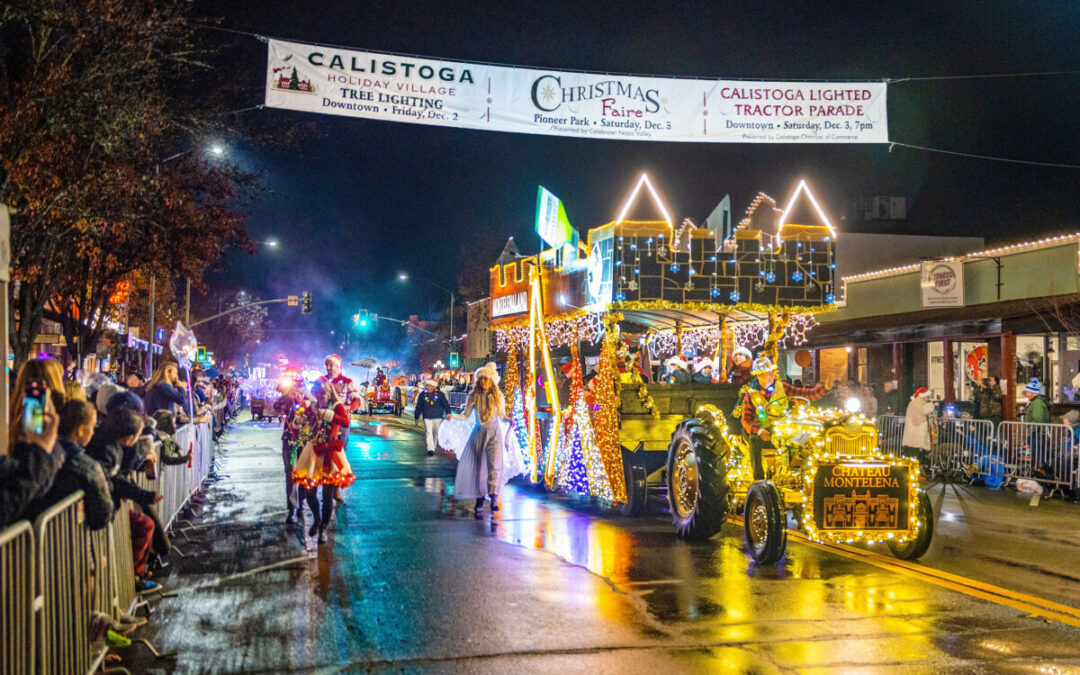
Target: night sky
<point x="362" y="200"/>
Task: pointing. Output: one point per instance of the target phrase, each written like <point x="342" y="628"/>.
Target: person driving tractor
<point x="757" y="414"/>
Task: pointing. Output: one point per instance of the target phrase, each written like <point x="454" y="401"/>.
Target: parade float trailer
<point x="662" y="289"/>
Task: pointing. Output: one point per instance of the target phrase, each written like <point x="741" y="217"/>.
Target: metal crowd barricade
<point x="63" y="570"/>
<point x="1044" y="452"/>
<point x="959" y="444"/>
<point x="890" y="433"/>
<point x="123" y="560"/>
<point x="17" y="598"/>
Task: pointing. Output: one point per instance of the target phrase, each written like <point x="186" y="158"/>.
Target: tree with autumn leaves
<point x="101" y="124"/>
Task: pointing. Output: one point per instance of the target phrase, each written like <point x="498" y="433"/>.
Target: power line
<point x="969" y="155"/>
<point x="928" y="78"/>
<point x="887" y="80"/>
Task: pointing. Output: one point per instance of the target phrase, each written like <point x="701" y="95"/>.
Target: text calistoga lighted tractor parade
<point x="582" y="324"/>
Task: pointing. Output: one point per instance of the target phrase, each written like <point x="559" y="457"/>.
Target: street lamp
<point x="217" y="150"/>
<point x="272" y="243"/>
<point x="404" y="276"/>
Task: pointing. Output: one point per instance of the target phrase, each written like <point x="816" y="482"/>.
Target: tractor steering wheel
<point x="782" y="402"/>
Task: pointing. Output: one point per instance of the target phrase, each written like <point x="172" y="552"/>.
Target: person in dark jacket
<point x="118" y="432"/>
<point x="164" y="390"/>
<point x="29" y="469"/>
<point x="79" y="470"/>
<point x="433" y="406"/>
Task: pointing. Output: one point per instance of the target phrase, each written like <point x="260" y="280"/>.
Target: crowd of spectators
<point x="99" y="438"/>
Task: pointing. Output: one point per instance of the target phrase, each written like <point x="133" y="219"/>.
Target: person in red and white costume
<point x="350" y="397"/>
<point x="322" y="460"/>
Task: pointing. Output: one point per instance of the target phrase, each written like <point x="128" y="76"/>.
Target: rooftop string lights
<point x="1010" y="249"/>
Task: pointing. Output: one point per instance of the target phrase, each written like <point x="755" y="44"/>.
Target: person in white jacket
<point x="916" y="440"/>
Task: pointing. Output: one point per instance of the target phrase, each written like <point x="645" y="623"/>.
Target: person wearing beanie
<point x="1038" y="407"/>
<point x="741" y="365"/>
<point x="104" y="393"/>
<point x="677" y="373"/>
<point x="757" y="414"/>
<point x="433" y="406"/>
<point x="916" y="439"/>
<point x="480" y="466"/>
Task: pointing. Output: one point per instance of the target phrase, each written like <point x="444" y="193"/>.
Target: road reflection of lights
<point x="996" y="646"/>
<point x="596" y="545"/>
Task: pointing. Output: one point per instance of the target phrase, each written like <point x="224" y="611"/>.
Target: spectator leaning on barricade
<point x="79" y="471"/>
<point x="116" y="436"/>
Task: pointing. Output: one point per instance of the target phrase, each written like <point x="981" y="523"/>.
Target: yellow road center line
<point x="1028" y="604"/>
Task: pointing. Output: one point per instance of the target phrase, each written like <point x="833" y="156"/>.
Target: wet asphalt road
<point x="411" y="582"/>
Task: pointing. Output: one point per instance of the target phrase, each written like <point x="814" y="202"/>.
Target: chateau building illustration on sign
<point x="857" y="511"/>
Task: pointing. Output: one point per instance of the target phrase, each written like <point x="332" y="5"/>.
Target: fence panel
<point x="457" y="399"/>
<point x="1044" y="452"/>
<point x="104" y="598"/>
<point x="17" y="597"/>
<point x="959" y="444"/>
<point x="63" y="572"/>
<point x="890" y="433"/>
<point x="123" y="560"/>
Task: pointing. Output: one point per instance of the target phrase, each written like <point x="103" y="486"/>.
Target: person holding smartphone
<point x="27" y="471"/>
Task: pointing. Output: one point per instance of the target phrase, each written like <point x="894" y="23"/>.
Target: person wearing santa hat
<point x="349" y="395"/>
<point x="433" y="406"/>
<point x="703" y="371"/>
<point x="677" y="373"/>
<point x="916" y="440"/>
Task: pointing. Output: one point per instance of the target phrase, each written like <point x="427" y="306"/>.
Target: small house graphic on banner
<point x="291" y="82"/>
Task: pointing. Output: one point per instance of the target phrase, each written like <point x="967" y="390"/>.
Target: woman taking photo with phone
<point x="27" y="466"/>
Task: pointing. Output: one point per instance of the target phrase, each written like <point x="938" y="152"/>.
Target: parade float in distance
<point x="581" y="323"/>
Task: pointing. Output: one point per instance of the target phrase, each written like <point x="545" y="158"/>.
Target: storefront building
<point x="1012" y="312"/>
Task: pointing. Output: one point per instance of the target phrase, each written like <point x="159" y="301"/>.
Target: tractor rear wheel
<point x="697" y="479"/>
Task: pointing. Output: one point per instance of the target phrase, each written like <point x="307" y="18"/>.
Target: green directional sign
<point x="552" y="224"/>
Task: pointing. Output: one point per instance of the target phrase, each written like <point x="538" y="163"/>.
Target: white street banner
<point x="397" y="88"/>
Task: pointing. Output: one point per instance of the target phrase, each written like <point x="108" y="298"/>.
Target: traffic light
<point x="454" y="362"/>
<point x="362" y="318"/>
<point x="305" y="302"/>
